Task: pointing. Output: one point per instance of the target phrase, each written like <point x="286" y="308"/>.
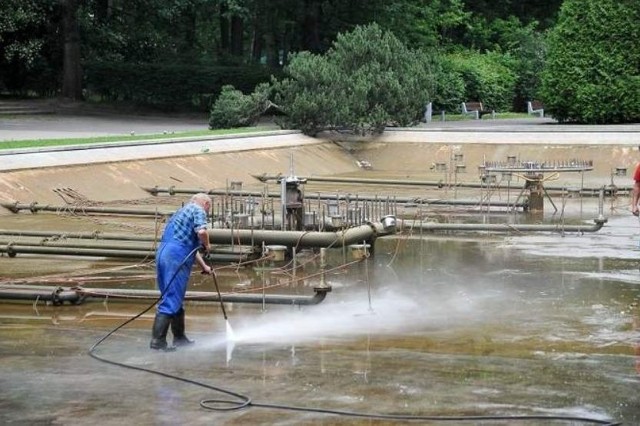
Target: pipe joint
<point x="56" y="300"/>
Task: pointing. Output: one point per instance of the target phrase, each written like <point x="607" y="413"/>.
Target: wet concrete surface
<point x="442" y="325"/>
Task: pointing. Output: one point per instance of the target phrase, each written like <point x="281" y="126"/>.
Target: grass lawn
<point x="41" y="143"/>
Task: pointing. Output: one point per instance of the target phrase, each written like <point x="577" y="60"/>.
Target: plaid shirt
<point x="187" y="222"/>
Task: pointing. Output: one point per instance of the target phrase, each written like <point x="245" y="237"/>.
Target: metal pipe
<point x="252" y="237"/>
<point x="346" y="197"/>
<point x="501" y="227"/>
<point x="439" y="184"/>
<point x="77" y="244"/>
<point x="75" y="235"/>
<point x="77" y="295"/>
<point x="298" y="238"/>
<point x="14" y="249"/>
<point x="35" y="207"/>
<point x="394" y="182"/>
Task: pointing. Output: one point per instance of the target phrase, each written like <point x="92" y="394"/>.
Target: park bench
<point x="476" y="109"/>
<point x="535" y="108"/>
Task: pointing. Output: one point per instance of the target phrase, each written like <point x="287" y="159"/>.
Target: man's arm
<point x="635" y="197"/>
<point x="203" y="236"/>
<point x="635" y="194"/>
<point x="206" y="269"/>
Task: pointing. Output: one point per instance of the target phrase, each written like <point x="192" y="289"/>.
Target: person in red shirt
<point x="635" y="195"/>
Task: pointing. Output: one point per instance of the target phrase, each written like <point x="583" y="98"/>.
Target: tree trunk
<point x="237" y="29"/>
<point x="72" y="69"/>
<point x="224" y="29"/>
<point x="103" y="10"/>
<point x="310" y="27"/>
<point x="257" y="42"/>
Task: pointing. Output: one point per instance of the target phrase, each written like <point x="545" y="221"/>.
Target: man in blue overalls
<point x="184" y="234"/>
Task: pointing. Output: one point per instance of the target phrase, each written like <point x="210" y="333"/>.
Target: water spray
<point x="230" y="335"/>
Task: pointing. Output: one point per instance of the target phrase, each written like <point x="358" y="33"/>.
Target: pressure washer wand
<point x="215" y="281"/>
<point x="230" y="333"/>
<point x="207" y="259"/>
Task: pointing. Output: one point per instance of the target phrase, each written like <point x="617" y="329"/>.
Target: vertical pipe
<point x="295" y="265"/>
<point x="283" y="203"/>
<point x="366" y="271"/>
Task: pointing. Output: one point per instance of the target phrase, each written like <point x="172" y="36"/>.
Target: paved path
<point x="487" y="131"/>
<point x="54" y="126"/>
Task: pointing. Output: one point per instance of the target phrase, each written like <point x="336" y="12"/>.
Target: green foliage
<point x="366" y="81"/>
<point x="488" y="78"/>
<point x="592" y="74"/>
<point x="25" y="46"/>
<point x="420" y="24"/>
<point x="526" y="11"/>
<point x="144" y="30"/>
<point x="234" y="109"/>
<point x="530" y="59"/>
<point x="168" y="86"/>
<point x="449" y="88"/>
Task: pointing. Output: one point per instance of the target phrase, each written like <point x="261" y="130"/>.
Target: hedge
<point x="169" y="87"/>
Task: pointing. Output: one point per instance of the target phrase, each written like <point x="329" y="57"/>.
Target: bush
<point x="235" y="109"/>
<point x="487" y="78"/>
<point x="592" y="73"/>
<point x="449" y="89"/>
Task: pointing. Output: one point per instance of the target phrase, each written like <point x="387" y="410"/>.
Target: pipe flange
<point x="172" y="190"/>
<point x="55" y="296"/>
<point x="11" y="252"/>
<point x="14" y="207"/>
<point x="33" y="207"/>
<point x="82" y="295"/>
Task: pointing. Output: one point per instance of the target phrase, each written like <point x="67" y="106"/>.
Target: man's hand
<point x="207" y="270"/>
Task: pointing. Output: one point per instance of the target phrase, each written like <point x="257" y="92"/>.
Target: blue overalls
<point x="174" y="262"/>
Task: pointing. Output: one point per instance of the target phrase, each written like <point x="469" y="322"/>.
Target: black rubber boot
<point x="159" y="333"/>
<point x="177" y="328"/>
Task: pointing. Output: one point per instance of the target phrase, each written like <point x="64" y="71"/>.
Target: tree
<point x="422" y="24"/>
<point x="366" y="81"/>
<point x="26" y="45"/>
<point x="592" y="73"/>
<point x="72" y="69"/>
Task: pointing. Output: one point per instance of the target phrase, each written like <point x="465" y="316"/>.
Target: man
<point x="184" y="234"/>
<point x="635" y="195"/>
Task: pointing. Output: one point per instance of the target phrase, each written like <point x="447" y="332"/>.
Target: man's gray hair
<point x="201" y="198"/>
